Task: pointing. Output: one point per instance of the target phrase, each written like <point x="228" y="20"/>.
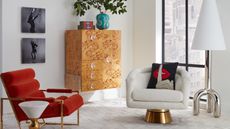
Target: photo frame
<point x="32" y="50"/>
<point x="33" y="20"/>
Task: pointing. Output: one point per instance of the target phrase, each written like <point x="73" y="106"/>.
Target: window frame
<point x="187" y="65"/>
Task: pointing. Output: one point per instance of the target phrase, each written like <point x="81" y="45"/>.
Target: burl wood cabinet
<point x="92" y="59"/>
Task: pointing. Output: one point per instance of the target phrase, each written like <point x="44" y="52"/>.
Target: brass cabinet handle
<point x="91" y="86"/>
<point x="108" y="59"/>
<point x="93" y="37"/>
<point x="92" y="75"/>
<point x="92" y="65"/>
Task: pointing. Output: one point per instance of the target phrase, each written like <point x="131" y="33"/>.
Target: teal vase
<point x="102" y="21"/>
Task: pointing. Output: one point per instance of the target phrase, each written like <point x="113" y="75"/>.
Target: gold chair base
<point x="162" y="116"/>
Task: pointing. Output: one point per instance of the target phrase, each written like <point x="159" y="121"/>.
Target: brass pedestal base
<point x="34" y="124"/>
<point x="162" y="116"/>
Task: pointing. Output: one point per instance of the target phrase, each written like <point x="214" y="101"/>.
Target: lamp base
<point x="34" y="124"/>
<point x="213" y="102"/>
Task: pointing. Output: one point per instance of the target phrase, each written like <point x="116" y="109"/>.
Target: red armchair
<point x="21" y="85"/>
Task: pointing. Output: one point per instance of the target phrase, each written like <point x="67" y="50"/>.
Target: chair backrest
<point x="21" y="84"/>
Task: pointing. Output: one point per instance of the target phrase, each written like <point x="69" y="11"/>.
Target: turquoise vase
<point x="102" y="21"/>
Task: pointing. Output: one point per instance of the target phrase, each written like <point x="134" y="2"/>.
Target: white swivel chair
<point x="156" y="101"/>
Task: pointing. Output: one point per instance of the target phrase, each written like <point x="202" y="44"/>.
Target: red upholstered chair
<point x="21" y="85"/>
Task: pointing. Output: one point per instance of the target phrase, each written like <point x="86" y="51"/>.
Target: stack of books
<point x="86" y="25"/>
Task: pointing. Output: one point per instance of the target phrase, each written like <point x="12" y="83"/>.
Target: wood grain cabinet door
<point x="91" y="45"/>
<point x="112" y="69"/>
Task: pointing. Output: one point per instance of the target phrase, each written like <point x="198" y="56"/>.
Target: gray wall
<point x="0" y="43"/>
<point x="144" y="52"/>
<point x="221" y="60"/>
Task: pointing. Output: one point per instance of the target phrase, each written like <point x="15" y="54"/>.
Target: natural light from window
<point x="175" y="38"/>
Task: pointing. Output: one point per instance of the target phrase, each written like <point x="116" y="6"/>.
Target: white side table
<point x="33" y="110"/>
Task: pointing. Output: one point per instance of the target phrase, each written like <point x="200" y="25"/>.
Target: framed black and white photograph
<point x="33" y="50"/>
<point x="32" y="20"/>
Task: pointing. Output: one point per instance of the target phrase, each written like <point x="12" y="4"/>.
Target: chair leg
<point x="43" y="120"/>
<point x="78" y="117"/>
<point x="62" y="118"/>
<point x="62" y="114"/>
<point x="43" y="123"/>
<point x="19" y="125"/>
<point x="27" y="121"/>
<point x="1" y="116"/>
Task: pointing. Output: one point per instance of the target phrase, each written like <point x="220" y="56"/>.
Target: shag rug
<point x="113" y="114"/>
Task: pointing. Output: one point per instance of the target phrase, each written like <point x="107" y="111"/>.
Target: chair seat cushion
<point x="157" y="95"/>
<point x="71" y="104"/>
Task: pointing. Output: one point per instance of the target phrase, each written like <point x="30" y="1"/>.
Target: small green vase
<point x="102" y="21"/>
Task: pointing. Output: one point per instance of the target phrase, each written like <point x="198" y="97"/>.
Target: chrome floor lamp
<point x="208" y="37"/>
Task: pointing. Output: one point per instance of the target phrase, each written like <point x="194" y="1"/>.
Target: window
<point x="180" y="18"/>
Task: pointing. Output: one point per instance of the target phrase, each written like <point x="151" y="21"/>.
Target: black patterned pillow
<point x="168" y="73"/>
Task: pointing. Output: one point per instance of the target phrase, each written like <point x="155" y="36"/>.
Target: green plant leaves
<point x="81" y="7"/>
<point x="115" y="6"/>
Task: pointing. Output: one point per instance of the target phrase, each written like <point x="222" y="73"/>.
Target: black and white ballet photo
<point x="33" y="50"/>
<point x="32" y="20"/>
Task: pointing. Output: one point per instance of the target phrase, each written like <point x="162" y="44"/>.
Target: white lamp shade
<point x="209" y="34"/>
<point x="33" y="109"/>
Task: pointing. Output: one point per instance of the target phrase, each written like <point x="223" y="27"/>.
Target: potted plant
<point x="114" y="6"/>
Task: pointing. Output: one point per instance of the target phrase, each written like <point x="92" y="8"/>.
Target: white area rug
<point x="113" y="114"/>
